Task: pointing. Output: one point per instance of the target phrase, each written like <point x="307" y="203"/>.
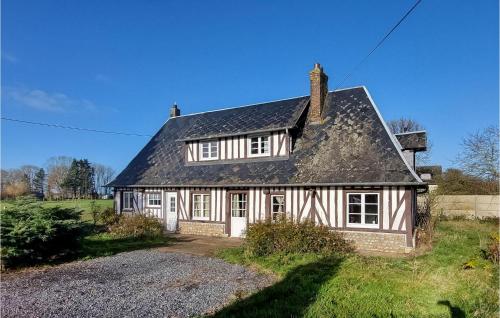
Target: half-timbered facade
<point x="328" y="157"/>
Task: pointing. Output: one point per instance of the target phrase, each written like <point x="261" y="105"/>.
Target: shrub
<point x="95" y="211"/>
<point x="287" y="236"/>
<point x="492" y="250"/>
<point x="137" y="226"/>
<point x="425" y="221"/>
<point x="108" y="216"/>
<point x="32" y="233"/>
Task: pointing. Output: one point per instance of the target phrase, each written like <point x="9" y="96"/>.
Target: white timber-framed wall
<point x="238" y="147"/>
<point x="325" y="205"/>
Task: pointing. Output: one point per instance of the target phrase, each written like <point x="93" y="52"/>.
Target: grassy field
<point x="82" y="204"/>
<point x="431" y="285"/>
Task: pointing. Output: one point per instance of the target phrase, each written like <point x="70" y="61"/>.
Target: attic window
<point x="209" y="150"/>
<point x="259" y="146"/>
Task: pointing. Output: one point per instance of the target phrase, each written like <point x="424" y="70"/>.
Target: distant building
<point x="429" y="174"/>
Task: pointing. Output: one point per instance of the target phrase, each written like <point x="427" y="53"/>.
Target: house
<point x="328" y="157"/>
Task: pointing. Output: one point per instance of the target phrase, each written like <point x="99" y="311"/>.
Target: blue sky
<point x="119" y="65"/>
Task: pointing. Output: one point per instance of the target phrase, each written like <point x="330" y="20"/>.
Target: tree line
<point x="61" y="177"/>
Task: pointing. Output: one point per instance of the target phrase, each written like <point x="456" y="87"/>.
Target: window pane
<point x="354" y="198"/>
<point x="278" y="203"/>
<point x="371" y="219"/>
<point x="206" y="205"/>
<point x="213" y="149"/>
<point x="371" y="209"/>
<point x="371" y="198"/>
<point x="354" y="208"/>
<point x="354" y="218"/>
<point x="172" y="204"/>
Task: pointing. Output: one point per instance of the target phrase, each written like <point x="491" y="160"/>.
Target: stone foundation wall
<point x="379" y="242"/>
<point x="202" y="228"/>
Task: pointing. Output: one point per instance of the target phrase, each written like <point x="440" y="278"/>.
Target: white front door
<point x="171" y="207"/>
<point x="239" y="207"/>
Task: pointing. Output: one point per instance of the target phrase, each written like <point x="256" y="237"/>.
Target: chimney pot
<point x="319" y="90"/>
<point x="174" y="111"/>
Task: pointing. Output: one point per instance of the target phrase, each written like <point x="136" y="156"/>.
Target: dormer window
<point x="209" y="150"/>
<point x="259" y="146"/>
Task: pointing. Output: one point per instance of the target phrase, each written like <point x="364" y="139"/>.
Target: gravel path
<point x="143" y="283"/>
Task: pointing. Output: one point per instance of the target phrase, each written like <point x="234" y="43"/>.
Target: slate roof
<point x="415" y="140"/>
<point x="351" y="147"/>
<point x="254" y="118"/>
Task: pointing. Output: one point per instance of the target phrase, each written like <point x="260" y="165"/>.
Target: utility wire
<point x="73" y="128"/>
<point x="379" y="43"/>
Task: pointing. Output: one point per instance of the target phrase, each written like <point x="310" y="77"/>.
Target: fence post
<point x="475" y="206"/>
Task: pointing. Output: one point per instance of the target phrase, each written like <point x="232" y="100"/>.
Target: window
<point x="209" y="150"/>
<point x="173" y="203"/>
<point x="128" y="200"/>
<point x="239" y="205"/>
<point x="277" y="206"/>
<point x="259" y="146"/>
<point x="363" y="209"/>
<point x="201" y="206"/>
<point x="154" y="199"/>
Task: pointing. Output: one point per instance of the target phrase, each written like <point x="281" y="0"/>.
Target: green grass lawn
<point x="431" y="285"/>
<point x="83" y="204"/>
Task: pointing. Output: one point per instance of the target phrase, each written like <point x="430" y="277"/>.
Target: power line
<point x="72" y="128"/>
<point x="380" y="43"/>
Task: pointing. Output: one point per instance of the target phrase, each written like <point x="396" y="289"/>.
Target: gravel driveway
<point x="145" y="283"/>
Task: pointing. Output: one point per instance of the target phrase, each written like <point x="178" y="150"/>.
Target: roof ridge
<point x="411" y="132"/>
<point x="242" y="106"/>
<point x="265" y="102"/>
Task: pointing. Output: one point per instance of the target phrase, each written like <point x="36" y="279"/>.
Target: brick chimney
<point x="174" y="111"/>
<point x="319" y="90"/>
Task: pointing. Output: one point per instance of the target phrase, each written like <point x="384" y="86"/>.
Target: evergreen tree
<point x="39" y="182"/>
<point x="80" y="179"/>
<point x="72" y="180"/>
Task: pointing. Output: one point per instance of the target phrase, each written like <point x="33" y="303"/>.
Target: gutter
<point x="362" y="184"/>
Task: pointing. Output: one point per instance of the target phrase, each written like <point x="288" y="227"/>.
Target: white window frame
<point x="128" y="203"/>
<point x="241" y="199"/>
<point x="204" y="213"/>
<point x="149" y="199"/>
<point x="363" y="224"/>
<point x="172" y="208"/>
<point x="210" y="144"/>
<point x="272" y="206"/>
<point x="262" y="152"/>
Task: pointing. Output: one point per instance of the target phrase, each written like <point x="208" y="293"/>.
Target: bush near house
<point x="136" y="226"/>
<point x="288" y="236"/>
<point x="32" y="233"/>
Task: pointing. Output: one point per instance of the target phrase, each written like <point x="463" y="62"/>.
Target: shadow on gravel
<point x="290" y="297"/>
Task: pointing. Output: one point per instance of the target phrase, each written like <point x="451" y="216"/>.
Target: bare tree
<point x="404" y="125"/>
<point x="479" y="156"/>
<point x="57" y="169"/>
<point x="103" y="175"/>
<point x="14" y="183"/>
<point x="29" y="172"/>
